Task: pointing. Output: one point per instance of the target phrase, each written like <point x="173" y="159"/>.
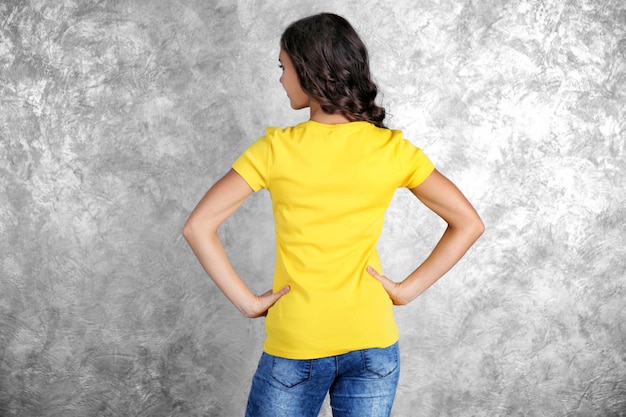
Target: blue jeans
<point x="361" y="383"/>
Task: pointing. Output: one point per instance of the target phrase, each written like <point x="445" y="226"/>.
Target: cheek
<point x="301" y="92"/>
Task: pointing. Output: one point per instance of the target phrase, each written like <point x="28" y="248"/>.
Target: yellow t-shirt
<point x="330" y="186"/>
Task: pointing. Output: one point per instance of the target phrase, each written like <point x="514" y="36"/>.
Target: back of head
<point x="333" y="66"/>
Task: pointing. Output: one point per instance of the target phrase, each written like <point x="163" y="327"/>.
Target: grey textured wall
<point x="117" y="115"/>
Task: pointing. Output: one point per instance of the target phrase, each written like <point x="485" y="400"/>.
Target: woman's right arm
<point x="464" y="227"/>
<point x="200" y="232"/>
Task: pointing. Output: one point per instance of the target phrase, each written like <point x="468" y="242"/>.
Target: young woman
<point x="329" y="325"/>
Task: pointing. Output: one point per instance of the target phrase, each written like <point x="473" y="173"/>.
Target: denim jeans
<point x="361" y="383"/>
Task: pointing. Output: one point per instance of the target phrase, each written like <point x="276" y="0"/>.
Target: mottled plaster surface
<point x="116" y="116"/>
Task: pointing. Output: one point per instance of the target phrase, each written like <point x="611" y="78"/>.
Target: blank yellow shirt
<point x="330" y="186"/>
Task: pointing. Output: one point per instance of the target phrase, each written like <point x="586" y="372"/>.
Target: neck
<point x="318" y="115"/>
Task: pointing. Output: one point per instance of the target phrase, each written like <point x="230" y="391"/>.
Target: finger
<point x="271" y="297"/>
<point x="279" y="293"/>
<point x="284" y="291"/>
<point x="373" y="272"/>
<point x="383" y="279"/>
<point x="389" y="285"/>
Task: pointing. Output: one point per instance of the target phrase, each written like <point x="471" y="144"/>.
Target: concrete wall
<point x="117" y="115"/>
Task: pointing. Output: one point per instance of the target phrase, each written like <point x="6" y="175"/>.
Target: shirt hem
<point x="303" y="355"/>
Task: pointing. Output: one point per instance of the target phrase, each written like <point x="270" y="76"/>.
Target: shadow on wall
<point x="116" y="117"/>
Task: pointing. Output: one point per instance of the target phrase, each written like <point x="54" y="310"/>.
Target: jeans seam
<point x="309" y="371"/>
<point x="367" y="368"/>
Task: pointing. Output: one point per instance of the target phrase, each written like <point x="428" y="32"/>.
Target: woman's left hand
<point x="263" y="303"/>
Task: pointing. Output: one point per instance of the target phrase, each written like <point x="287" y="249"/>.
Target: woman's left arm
<point x="200" y="231"/>
<point x="464" y="227"/>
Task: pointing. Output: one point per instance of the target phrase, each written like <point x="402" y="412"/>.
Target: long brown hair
<point x="332" y="64"/>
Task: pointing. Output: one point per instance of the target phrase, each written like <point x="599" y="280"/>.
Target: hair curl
<point x="332" y="64"/>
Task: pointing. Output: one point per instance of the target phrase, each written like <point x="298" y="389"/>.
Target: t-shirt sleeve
<point x="254" y="163"/>
<point x="414" y="164"/>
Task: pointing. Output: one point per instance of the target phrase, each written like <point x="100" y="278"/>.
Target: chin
<point x="296" y="106"/>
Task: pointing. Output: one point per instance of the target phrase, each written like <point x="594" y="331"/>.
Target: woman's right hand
<point x="394" y="289"/>
<point x="464" y="226"/>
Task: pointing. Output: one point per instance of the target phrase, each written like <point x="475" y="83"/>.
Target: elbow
<point x="192" y="229"/>
<point x="478" y="227"/>
<point x="187" y="231"/>
<point x="472" y="227"/>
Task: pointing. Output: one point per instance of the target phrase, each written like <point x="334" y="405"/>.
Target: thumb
<point x="387" y="284"/>
<point x="390" y="286"/>
<point x="283" y="291"/>
<point x="383" y="279"/>
<point x="274" y="296"/>
<point x="269" y="298"/>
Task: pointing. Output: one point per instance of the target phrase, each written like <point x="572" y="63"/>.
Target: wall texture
<point x="117" y="115"/>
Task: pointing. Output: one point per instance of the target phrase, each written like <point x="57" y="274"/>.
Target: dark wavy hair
<point x="332" y="64"/>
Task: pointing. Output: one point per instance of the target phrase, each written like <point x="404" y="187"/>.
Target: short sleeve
<point x="414" y="164"/>
<point x="254" y="163"/>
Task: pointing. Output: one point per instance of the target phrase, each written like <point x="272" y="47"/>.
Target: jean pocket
<point x="381" y="361"/>
<point x="290" y="372"/>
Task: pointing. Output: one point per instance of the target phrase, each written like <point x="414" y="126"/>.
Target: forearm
<point x="209" y="250"/>
<point x="453" y="244"/>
